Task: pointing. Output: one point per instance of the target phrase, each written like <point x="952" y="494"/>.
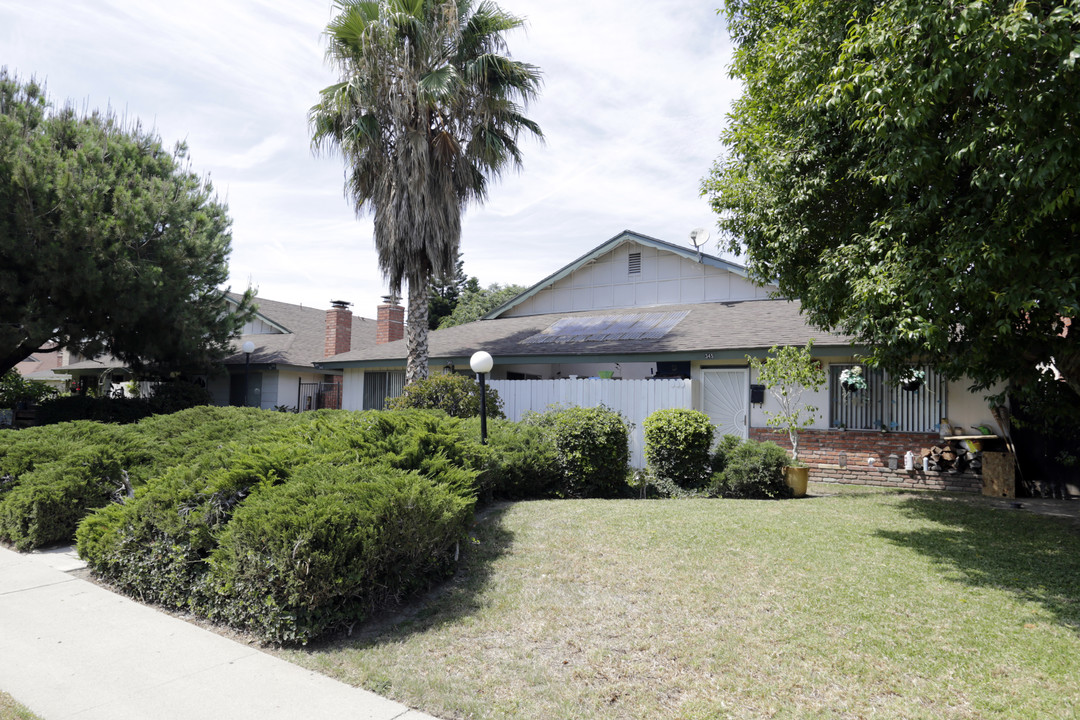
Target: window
<point x="884" y="404"/>
<point x="634" y="267"/>
<point x="378" y="386"/>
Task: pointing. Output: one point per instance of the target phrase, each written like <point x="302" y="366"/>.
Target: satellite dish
<point x="698" y="237"/>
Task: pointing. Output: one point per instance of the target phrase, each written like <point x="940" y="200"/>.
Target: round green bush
<point x="456" y="395"/>
<point x="723" y="448"/>
<point x="753" y="470"/>
<point x="677" y="443"/>
<point x="592" y="447"/>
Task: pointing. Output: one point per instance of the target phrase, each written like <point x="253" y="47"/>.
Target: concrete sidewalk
<point x="72" y="649"/>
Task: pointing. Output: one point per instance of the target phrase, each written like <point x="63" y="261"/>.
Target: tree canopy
<point x="429" y="107"/>
<point x="476" y="302"/>
<point x="908" y="170"/>
<point x="108" y="243"/>
<point x="444" y="293"/>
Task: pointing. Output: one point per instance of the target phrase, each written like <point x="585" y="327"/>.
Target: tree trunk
<point x="416" y="330"/>
<point x="12" y="356"/>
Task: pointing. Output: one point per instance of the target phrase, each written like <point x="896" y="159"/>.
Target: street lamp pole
<point x="481" y="364"/>
<point x="248" y="348"/>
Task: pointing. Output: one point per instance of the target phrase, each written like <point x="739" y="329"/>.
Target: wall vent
<point x="634" y="267"/>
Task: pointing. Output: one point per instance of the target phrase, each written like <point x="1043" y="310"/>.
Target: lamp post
<point x="481" y="364"/>
<point x="248" y="348"/>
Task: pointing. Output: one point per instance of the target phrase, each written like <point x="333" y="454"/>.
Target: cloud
<point x="634" y="99"/>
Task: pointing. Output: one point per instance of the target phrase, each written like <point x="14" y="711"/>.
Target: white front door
<point x="726" y="400"/>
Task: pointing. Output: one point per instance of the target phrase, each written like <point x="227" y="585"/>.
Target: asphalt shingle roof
<point x="707" y="327"/>
<point x="305" y="342"/>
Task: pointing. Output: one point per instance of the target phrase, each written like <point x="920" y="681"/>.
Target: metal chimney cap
<point x="342" y="304"/>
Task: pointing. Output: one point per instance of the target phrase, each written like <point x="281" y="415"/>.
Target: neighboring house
<point x="43" y="366"/>
<point x="638" y="308"/>
<point x="288" y="339"/>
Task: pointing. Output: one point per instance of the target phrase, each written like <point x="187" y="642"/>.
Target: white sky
<point x="634" y="98"/>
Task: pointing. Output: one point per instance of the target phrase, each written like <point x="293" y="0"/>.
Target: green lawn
<point x="855" y="605"/>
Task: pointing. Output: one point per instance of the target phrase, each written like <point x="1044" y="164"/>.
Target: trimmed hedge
<point x="592" y="450"/>
<point x="677" y="443"/>
<point x="331" y="546"/>
<point x="323" y="519"/>
<point x="46" y="505"/>
<point x="521" y="461"/>
<point x="52" y="476"/>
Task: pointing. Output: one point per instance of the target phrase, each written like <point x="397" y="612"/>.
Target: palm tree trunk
<point x="416" y="329"/>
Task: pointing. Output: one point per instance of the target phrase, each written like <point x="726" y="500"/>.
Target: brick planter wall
<point x="867" y="458"/>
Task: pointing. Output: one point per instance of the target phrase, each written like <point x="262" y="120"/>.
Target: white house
<point x="640" y="309"/>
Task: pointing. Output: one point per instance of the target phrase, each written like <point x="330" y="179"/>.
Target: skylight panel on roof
<point x="597" y="328"/>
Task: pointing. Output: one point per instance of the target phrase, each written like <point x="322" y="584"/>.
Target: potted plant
<point x="912" y="379"/>
<point x="787" y="373"/>
<point x="852" y="380"/>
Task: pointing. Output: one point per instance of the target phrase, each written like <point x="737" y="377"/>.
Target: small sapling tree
<point x="788" y="372"/>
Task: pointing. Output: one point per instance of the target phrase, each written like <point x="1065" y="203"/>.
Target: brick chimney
<point x="338" y="328"/>
<point x="390" y="321"/>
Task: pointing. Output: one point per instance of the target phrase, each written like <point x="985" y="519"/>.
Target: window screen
<point x="884" y="404"/>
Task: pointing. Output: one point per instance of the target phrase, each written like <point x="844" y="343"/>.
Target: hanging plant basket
<point x="852" y="380"/>
<point x="849" y="387"/>
<point x="911" y="385"/>
<point x="913" y="380"/>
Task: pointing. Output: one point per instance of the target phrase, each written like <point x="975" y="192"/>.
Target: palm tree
<point x="429" y="107"/>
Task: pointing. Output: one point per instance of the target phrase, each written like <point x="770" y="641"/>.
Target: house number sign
<point x="708" y="356"/>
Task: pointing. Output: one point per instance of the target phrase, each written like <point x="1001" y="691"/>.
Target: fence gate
<point x="318" y="396"/>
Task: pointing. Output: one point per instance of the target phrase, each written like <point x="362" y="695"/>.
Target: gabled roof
<point x="626" y="236"/>
<point x="302" y="337"/>
<point x="723" y="330"/>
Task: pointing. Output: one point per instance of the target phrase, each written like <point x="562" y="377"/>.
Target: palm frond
<point x="438" y="86"/>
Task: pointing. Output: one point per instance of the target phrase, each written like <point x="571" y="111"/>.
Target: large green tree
<point x="445" y="291"/>
<point x="476" y="302"/>
<point x="428" y="109"/>
<point x="108" y="242"/>
<point x="909" y="171"/>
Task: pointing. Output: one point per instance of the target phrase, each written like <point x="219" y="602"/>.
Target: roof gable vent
<point x="634" y="266"/>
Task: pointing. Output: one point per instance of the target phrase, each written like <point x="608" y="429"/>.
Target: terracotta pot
<point x="797" y="478"/>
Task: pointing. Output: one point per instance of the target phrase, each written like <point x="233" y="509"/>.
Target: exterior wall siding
<point x="664" y="279"/>
<point x="867" y="456"/>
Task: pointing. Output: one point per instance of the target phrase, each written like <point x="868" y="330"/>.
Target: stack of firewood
<point x="952" y="459"/>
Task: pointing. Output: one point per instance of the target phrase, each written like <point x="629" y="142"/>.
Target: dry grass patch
<point x="11" y="710"/>
<point x="857" y="605"/>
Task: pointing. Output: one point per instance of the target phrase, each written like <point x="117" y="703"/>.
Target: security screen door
<point x="726" y="400"/>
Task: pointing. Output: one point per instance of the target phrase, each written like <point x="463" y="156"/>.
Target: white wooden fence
<point x="635" y="399"/>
